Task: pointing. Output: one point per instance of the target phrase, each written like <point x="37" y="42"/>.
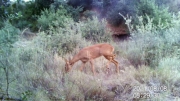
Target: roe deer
<point x="90" y="53"/>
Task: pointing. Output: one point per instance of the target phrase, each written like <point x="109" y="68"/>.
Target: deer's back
<point x="95" y="51"/>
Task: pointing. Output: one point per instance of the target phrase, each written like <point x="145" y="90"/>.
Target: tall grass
<point x="148" y="61"/>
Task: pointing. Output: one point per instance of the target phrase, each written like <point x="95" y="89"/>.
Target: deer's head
<point x="67" y="66"/>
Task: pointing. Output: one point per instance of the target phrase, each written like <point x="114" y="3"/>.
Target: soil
<point x="120" y="33"/>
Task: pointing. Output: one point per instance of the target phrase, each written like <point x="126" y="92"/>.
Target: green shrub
<point x="176" y="20"/>
<point x="73" y="11"/>
<point x="62" y="40"/>
<point x="171" y="64"/>
<point x="9" y="34"/>
<point x="152" y="48"/>
<point x="173" y="5"/>
<point x="148" y="44"/>
<point x="54" y="19"/>
<point x="23" y="14"/>
<point x="159" y="14"/>
<point x="95" y="30"/>
<point x="73" y="35"/>
<point x="32" y="67"/>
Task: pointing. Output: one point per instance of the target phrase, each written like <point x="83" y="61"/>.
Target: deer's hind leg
<point x="117" y="65"/>
<point x="111" y="59"/>
<point x="92" y="67"/>
<point x="115" y="62"/>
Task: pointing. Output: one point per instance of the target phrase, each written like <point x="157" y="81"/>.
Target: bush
<point x="144" y="8"/>
<point x="36" y="72"/>
<point x="159" y="14"/>
<point x="95" y="30"/>
<point x="9" y="34"/>
<point x="22" y="14"/>
<point x="170" y="64"/>
<point x="54" y="18"/>
<point x="62" y="41"/>
<point x="40" y="75"/>
<point x="148" y="44"/>
<point x="73" y="11"/>
<point x="173" y="6"/>
<point x="73" y="35"/>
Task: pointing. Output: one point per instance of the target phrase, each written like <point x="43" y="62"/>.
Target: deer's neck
<point x="73" y="60"/>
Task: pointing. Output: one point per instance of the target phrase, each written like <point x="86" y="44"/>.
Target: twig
<point x="7" y="77"/>
<point x="24" y="31"/>
<point x="127" y="22"/>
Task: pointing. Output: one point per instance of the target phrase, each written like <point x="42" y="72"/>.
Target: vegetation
<point x="32" y="69"/>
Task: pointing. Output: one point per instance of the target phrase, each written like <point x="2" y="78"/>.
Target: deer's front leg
<point x="82" y="66"/>
<point x="92" y="66"/>
<point x="107" y="67"/>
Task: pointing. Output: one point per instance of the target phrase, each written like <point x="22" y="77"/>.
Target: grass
<point x="46" y="80"/>
<point x="149" y="64"/>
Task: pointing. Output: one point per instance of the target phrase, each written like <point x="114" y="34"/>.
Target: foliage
<point x="23" y="14"/>
<point x="173" y="6"/>
<point x="95" y="30"/>
<point x="73" y="11"/>
<point x="63" y="34"/>
<point x="33" y="70"/>
<point x="151" y="44"/>
<point x="54" y="18"/>
<point x="159" y="14"/>
<point x="9" y="34"/>
<point x="64" y="39"/>
<point x="25" y="95"/>
<point x="144" y="8"/>
<point x="4" y="2"/>
<point x="61" y="40"/>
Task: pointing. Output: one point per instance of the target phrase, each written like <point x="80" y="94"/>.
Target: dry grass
<point x="115" y="87"/>
<point x="41" y="76"/>
<point x="149" y="67"/>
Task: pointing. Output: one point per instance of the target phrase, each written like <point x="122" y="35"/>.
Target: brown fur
<point x="90" y="53"/>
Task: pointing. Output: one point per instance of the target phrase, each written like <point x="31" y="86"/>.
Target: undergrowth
<point x="149" y="64"/>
